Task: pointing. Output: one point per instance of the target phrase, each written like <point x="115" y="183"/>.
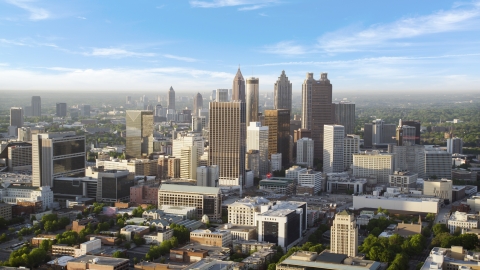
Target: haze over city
<point x="198" y="45"/>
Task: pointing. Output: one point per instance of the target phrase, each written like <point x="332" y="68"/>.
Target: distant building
<point x="282" y="93"/>
<point x="197" y="104"/>
<point x="378" y="133"/>
<point x="305" y="148"/>
<point x="344" y="235"/>
<point x="435" y="163"/>
<point x="36" y="106"/>
<point x="238" y="89"/>
<point x="455" y="145"/>
<point x="351" y="146"/>
<point x="139" y="135"/>
<point x="171" y="99"/>
<point x="16" y="118"/>
<point x="252" y="99"/>
<point x="344" y="114"/>
<point x="311" y="178"/>
<point x="221" y="95"/>
<point x="276" y="162"/>
<point x="257" y="139"/>
<point x="61" y="109"/>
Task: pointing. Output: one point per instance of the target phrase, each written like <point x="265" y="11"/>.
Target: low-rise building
<point x="144" y="194"/>
<point x="344" y="183"/>
<point x="278" y="185"/>
<point x="212" y="263"/>
<point x="451" y="258"/>
<point x="406" y="204"/>
<point x="311" y="178"/>
<point x="14" y="194"/>
<point x="211" y="237"/>
<point x="403" y="180"/>
<point x="462" y="220"/>
<point x="131" y="230"/>
<point x="440" y="188"/>
<point x="94" y="262"/>
<point x="187" y="255"/>
<point x="246" y="247"/>
<point x="258" y="260"/>
<point x="158" y="236"/>
<point x="294" y="171"/>
<point x="80" y="224"/>
<point x="241" y="232"/>
<point x="242" y="212"/>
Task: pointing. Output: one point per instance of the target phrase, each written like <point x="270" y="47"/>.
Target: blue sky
<point x="198" y="44"/>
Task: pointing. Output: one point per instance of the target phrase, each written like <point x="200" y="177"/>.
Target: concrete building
<point x="344" y="115"/>
<point x="343" y="182"/>
<point x="311" y="178"/>
<point x="158" y="236"/>
<point x="242" y="212"/>
<point x="344" y="234"/>
<point x="405" y="135"/>
<point x="36" y="106"/>
<point x="252" y="99"/>
<point x="238" y="89"/>
<point x="61" y="109"/>
<point x="207" y="200"/>
<point x="413" y="123"/>
<point x="15" y="194"/>
<point x="282" y="93"/>
<point x="294" y="171"/>
<point x="351" y="146"/>
<point x="114" y="186"/>
<point x="283" y="223"/>
<point x="462" y="220"/>
<point x="278" y="185"/>
<point x="171" y="99"/>
<point x="407" y="204"/>
<point x="333" y="142"/>
<point x="257" y="139"/>
<point x="378" y="133"/>
<point x="278" y="122"/>
<point x="188" y="162"/>
<point x="474" y="203"/>
<point x="197" y="104"/>
<point x="221" y="95"/>
<point x="95" y="262"/>
<point x="373" y="164"/>
<point x="143" y="167"/>
<point x="451" y="258"/>
<point x="19" y="156"/>
<point x="325" y="260"/>
<point x="188" y="140"/>
<point x="455" y="145"/>
<point x="441" y="188"/>
<point x="207" y="176"/>
<point x="408" y="157"/>
<point x="16" y="118"/>
<point x="6" y="211"/>
<point x="435" y="163"/>
<point x="403" y="180"/>
<point x="131" y="230"/>
<point x="56" y="155"/>
<point x="305" y="148"/>
<point x="252" y="162"/>
<point x="317" y="108"/>
<point x="227" y="139"/>
<point x="144" y="194"/>
<point x="211" y="237"/>
<point x="139" y="134"/>
<point x="276" y="162"/>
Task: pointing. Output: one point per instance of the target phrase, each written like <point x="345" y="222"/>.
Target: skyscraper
<point x="197" y="104"/>
<point x="283" y="93"/>
<point x="257" y="139"/>
<point x="455" y="145"/>
<point x="378" y="133"/>
<point x="61" y="109"/>
<point x="405" y="135"/>
<point x="252" y="99"/>
<point x="413" y="123"/>
<point x="278" y="122"/>
<point x="55" y="155"/>
<point x="36" y="106"/>
<point x="188" y="162"/>
<point x="221" y="95"/>
<point x="188" y="141"/>
<point x="351" y="145"/>
<point x="316" y="108"/>
<point x="139" y="134"/>
<point x="333" y="148"/>
<point x="16" y="117"/>
<point x="227" y="139"/>
<point x="171" y="98"/>
<point x="344" y="234"/>
<point x="305" y="148"/>
<point x="85" y="110"/>
<point x="207" y="176"/>
<point x="344" y="114"/>
<point x="238" y="89"/>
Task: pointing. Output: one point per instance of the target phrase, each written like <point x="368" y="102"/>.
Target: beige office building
<point x="257" y="139"/>
<point x="441" y="188"/>
<point x="344" y="234"/>
<point x="227" y="141"/>
<point x="373" y="164"/>
<point x="188" y="162"/>
<point x="139" y="134"/>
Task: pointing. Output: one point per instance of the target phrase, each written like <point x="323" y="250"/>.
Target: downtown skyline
<point x="198" y="45"/>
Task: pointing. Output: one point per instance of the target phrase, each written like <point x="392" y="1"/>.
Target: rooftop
<point x="398" y="198"/>
<point x="99" y="260"/>
<point x="326" y="260"/>
<point x="189" y="189"/>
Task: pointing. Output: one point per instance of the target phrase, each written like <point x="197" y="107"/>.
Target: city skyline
<point x="379" y="46"/>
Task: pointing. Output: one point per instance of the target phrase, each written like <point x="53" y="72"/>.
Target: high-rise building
<point x="455" y="145"/>
<point x="407" y="157"/>
<point x="415" y="124"/>
<point x="333" y="148"/>
<point x="351" y="145"/>
<point x="278" y="122"/>
<point x="85" y="110"/>
<point x="252" y="162"/>
<point x="238" y="89"/>
<point x="379" y="133"/>
<point x="162" y="168"/>
<point x="316" y="108"/>
<point x="283" y="93"/>
<point x="344" y="234"/>
<point x="128" y="100"/>
<point x="61" y="109"/>
<point x="344" y="114"/>
<point x="16" y="118"/>
<point x="174" y="167"/>
<point x="276" y="162"/>
<point x="252" y="99"/>
<point x="301" y="133"/>
<point x="405" y="135"/>
<point x="207" y="176"/>
<point x="186" y="141"/>
<point x="55" y="155"/>
<point x="257" y="139"/>
<point x="197" y="104"/>
<point x="311" y="178"/>
<point x="188" y="162"/>
<point x="373" y="164"/>
<point x="139" y="134"/>
<point x="213" y="96"/>
<point x="227" y="139"/>
<point x="171" y="99"/>
<point x="434" y="162"/>
<point x="222" y="95"/>
<point x="305" y="152"/>
<point x="36" y="106"/>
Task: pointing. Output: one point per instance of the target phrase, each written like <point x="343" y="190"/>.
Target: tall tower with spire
<point x="171" y="98"/>
<point x="283" y="93"/>
<point x="238" y="89"/>
<point x="197" y="103"/>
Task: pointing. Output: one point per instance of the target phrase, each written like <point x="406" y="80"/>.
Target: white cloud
<point x="286" y="48"/>
<point x="245" y="4"/>
<point x="81" y="18"/>
<point x="11" y="42"/>
<point x="116" y="52"/>
<point x="4" y="64"/>
<point x="378" y="35"/>
<point x="180" y="58"/>
<point x="36" y="13"/>
<point x="160" y="7"/>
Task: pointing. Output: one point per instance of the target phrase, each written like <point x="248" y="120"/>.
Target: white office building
<point x="435" y="162"/>
<point x="15" y="194"/>
<point x="333" y="140"/>
<point x="276" y="162"/>
<point x="351" y="146"/>
<point x="188" y="162"/>
<point x="311" y="178"/>
<point x="294" y="171"/>
<point x="373" y="164"/>
<point x="305" y="152"/>
<point x="257" y="139"/>
<point x="242" y="212"/>
<point x="207" y="176"/>
<point x="344" y="234"/>
<point x="462" y="220"/>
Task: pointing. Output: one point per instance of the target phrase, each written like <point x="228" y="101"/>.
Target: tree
<point x="440" y="228"/>
<point x="376" y="231"/>
<point x="430" y="217"/>
<point x="374" y="253"/>
<point x="46" y="245"/>
<point x="469" y="241"/>
<point x="117" y="254"/>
